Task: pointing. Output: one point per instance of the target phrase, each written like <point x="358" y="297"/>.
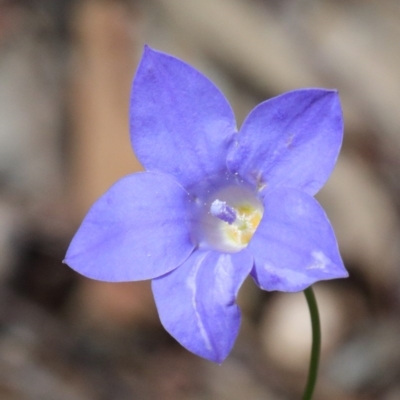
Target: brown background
<point x="65" y="73"/>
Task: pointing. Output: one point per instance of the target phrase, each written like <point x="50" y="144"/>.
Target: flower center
<point x="241" y="230"/>
<point x="230" y="218"/>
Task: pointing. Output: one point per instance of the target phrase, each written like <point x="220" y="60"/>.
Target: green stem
<point x="316" y="344"/>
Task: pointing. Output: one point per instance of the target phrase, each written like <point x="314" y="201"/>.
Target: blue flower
<point x="215" y="205"/>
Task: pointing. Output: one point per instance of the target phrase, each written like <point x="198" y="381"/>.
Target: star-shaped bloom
<point x="215" y="204"/>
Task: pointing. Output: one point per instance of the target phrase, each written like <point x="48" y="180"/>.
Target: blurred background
<point x="65" y="74"/>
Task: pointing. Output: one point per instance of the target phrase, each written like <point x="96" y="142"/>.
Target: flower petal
<point x="180" y="122"/>
<point x="294" y="245"/>
<point x="137" y="230"/>
<point x="292" y="140"/>
<point x="196" y="302"/>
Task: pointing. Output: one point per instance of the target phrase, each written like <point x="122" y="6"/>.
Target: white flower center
<point x="242" y="229"/>
<point x="231" y="217"/>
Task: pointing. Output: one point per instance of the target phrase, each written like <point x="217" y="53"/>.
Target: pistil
<point x="222" y="211"/>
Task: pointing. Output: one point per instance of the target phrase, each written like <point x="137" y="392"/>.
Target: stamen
<point x="246" y="223"/>
<point x="229" y="218"/>
<point x="222" y="211"/>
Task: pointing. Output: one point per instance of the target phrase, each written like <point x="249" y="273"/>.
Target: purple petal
<point x="196" y="302"/>
<point x="180" y="122"/>
<point x="292" y="140"/>
<point x="294" y="245"/>
<point x="137" y="230"/>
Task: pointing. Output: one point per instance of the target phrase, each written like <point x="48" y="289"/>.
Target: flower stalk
<point x="316" y="344"/>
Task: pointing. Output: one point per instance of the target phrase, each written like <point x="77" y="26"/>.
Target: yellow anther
<point x="242" y="230"/>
